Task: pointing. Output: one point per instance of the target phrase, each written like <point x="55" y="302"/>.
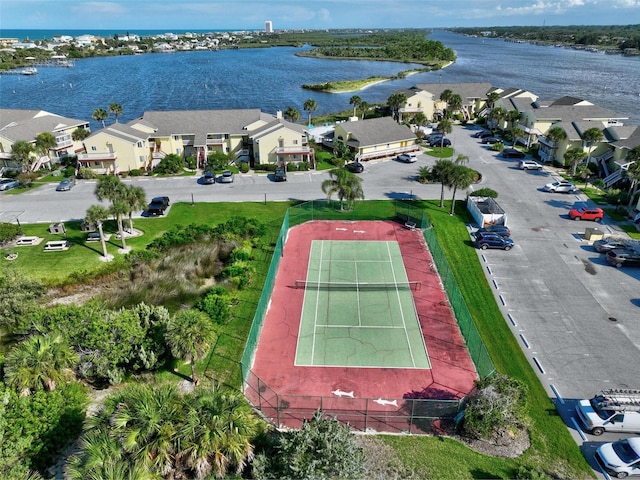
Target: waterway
<point x="272" y="79"/>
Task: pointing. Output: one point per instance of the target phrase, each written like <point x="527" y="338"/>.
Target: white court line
<point x="406" y="334"/>
<point x="304" y="299"/>
<point x="315" y="317"/>
<point x="381" y="327"/>
<point x="355" y="267"/>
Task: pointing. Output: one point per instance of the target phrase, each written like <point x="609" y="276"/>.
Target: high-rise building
<point x="268" y="26"/>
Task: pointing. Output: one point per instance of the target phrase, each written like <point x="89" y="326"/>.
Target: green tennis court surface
<point x="358" y="308"/>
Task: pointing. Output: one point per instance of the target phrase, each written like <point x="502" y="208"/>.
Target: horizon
<point x="200" y="15"/>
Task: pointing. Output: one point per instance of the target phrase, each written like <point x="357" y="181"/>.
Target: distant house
<point x="26" y="125"/>
<point x="376" y="138"/>
<point x="473" y="96"/>
<point x="245" y="134"/>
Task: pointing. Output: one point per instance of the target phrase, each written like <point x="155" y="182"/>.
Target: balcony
<point x="98" y="157"/>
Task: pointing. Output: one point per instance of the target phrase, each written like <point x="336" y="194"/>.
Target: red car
<point x="586" y="213"/>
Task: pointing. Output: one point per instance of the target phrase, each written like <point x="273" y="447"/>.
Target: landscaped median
<point x="552" y="449"/>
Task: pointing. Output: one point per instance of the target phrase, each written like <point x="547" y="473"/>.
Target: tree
<point x="97" y="214"/>
<point x="39" y="362"/>
<point x="356" y="101"/>
<point x="591" y="136"/>
<point x="190" y="335"/>
<point x="79" y="134"/>
<point x="345" y="185"/>
<point x="455" y="105"/>
<point x="364" y="107"/>
<point x="492" y="98"/>
<point x="395" y="102"/>
<point x="424" y="174"/>
<point x="516" y="133"/>
<point x="310" y="106"/>
<point x="513" y="116"/>
<point x="573" y="157"/>
<point x="45" y="141"/>
<point x="461" y="177"/>
<point x="496" y="117"/>
<point x="556" y="134"/>
<point x="112" y="189"/>
<point x="100" y="115"/>
<point x="21" y="152"/>
<point x="461" y="159"/>
<point x="116" y="109"/>
<point x="444" y="127"/>
<point x="633" y="173"/>
<point x="18" y="297"/>
<point x="322" y="449"/>
<point x="119" y="208"/>
<point x="136" y="199"/>
<point x="441" y="172"/>
<point x="292" y="114"/>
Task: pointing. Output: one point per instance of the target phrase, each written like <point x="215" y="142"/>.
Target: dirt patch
<point x="507" y="446"/>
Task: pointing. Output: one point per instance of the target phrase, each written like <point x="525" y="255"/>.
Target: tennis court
<point x="358" y="308"/>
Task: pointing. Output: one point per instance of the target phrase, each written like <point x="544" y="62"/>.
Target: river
<point x="271" y="79"/>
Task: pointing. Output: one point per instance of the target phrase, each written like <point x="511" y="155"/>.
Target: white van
<point x="620" y="459"/>
<point x="616" y="410"/>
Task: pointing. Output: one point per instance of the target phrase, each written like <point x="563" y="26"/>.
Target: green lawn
<point x="553" y="449"/>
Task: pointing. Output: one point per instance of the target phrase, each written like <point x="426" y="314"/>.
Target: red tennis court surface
<point x="452" y="373"/>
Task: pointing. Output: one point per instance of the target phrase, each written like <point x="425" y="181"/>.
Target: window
<point x="176" y="137"/>
<point x="140" y="145"/>
<point x="93" y="148"/>
<point x="295" y="142"/>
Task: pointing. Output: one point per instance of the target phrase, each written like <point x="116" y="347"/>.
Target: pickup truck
<point x="157" y="206"/>
<point x="280" y="175"/>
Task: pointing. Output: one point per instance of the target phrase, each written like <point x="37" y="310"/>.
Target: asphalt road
<point x="576" y="318"/>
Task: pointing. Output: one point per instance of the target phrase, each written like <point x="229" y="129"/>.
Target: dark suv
<point x="157" y="206"/>
<point x="492" y="240"/>
<point x="619" y="257"/>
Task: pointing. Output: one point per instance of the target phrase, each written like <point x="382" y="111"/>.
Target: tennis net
<point x="358" y="285"/>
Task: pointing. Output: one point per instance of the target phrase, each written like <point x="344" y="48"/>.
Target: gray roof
<point x="376" y="131"/>
<point x="25" y="125"/>
<point x="567" y="101"/>
<point x="629" y="136"/>
<point x="124" y="132"/>
<point x="577" y="113"/>
<point x="468" y="91"/>
<point x="276" y="124"/>
<point x="202" y="122"/>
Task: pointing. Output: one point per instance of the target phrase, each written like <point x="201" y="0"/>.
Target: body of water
<point x="271" y="79"/>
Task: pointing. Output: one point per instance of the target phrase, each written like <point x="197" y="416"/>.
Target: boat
<point x="29" y="71"/>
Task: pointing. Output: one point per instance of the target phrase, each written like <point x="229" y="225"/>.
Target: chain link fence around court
<point x="415" y="415"/>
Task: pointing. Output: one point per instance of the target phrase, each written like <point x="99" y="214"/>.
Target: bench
<point x="28" y="241"/>
<point x="57" y="245"/>
<point x="410" y="225"/>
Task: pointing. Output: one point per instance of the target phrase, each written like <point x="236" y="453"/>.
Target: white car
<point x="561" y="186"/>
<point x="408" y="157"/>
<point x="620" y="459"/>
<point x="529" y="165"/>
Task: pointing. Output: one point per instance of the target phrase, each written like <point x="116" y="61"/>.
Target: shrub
<point x="8" y="232"/>
<point x="87" y="173"/>
<point x="217" y="160"/>
<point x="191" y="163"/>
<point x="244" y="167"/>
<point x="497" y="147"/>
<point x="292" y="167"/>
<point x="303" y="166"/>
<point x="216" y="305"/>
<point x="484" y="192"/>
<point x="27" y="178"/>
<point x="136" y="172"/>
<point x="170" y="164"/>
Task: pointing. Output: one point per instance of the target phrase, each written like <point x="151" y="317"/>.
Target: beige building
<point x="25" y="125"/>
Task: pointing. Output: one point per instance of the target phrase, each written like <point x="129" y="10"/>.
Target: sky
<point x="310" y="14"/>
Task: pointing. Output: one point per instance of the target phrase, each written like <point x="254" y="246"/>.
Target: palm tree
<point x="441" y="172"/>
<point x="461" y="160"/>
<point x="364" y="107"/>
<point x="116" y="109"/>
<point x="310" y="106"/>
<point x="21" y="152"/>
<point x="395" y="102"/>
<point x="112" y="189"/>
<point x="40" y="361"/>
<point x="454" y="104"/>
<point x="573" y="157"/>
<point x="100" y="115"/>
<point x="591" y="136"/>
<point x="119" y="208"/>
<point x="556" y="134"/>
<point x="45" y="141"/>
<point x="492" y="98"/>
<point x="292" y="114"/>
<point x="516" y="133"/>
<point x="217" y="431"/>
<point x="345" y="185"/>
<point x="461" y="177"/>
<point x="633" y="173"/>
<point x="80" y="134"/>
<point x="355" y="101"/>
<point x="512" y="117"/>
<point x="136" y="199"/>
<point x="190" y="335"/>
<point x="444" y="127"/>
<point x="98" y="214"/>
<point x="496" y="117"/>
<point x="424" y="173"/>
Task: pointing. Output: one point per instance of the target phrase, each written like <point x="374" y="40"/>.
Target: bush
<point x="191" y="163"/>
<point x="217" y="160"/>
<point x="136" y="172"/>
<point x="497" y="147"/>
<point x="216" y="305"/>
<point x="303" y="166"/>
<point x="87" y="173"/>
<point x="27" y="178"/>
<point x="9" y="232"/>
<point x="292" y="167"/>
<point x="171" y="164"/>
<point x="484" y="192"/>
<point x="244" y="167"/>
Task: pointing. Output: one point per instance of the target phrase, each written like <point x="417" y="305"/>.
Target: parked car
<point x="620" y="459"/>
<point x="529" y="165"/>
<point x="355" y="167"/>
<point x="280" y="175"/>
<point x="606" y="244"/>
<point x="444" y="142"/>
<point x="434" y="136"/>
<point x="226" y="177"/>
<point x="584" y="212"/>
<point x="209" y="178"/>
<point x="158" y="206"/>
<point x="8" y="184"/>
<point x="483" y="134"/>
<point x="93" y="237"/>
<point x="491" y="140"/>
<point x="66" y="184"/>
<point x="501" y="230"/>
<point x="512" y="153"/>
<point x="619" y="257"/>
<point x="408" y="157"/>
<point x="560" y="186"/>
<point x="492" y="240"/>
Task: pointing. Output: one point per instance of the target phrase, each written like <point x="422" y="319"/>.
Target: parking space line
<point x="538" y="365"/>
<point x="578" y="429"/>
<point x="555" y="391"/>
<point x="513" y="322"/>
<point x="524" y="340"/>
